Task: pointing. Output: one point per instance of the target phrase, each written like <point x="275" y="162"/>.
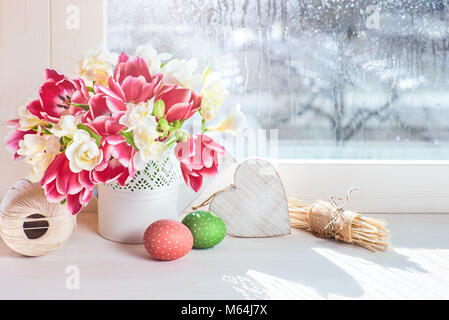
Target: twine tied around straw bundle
<point x="332" y="220"/>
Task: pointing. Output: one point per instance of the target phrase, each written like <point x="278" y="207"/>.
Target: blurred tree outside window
<point x="339" y="79"/>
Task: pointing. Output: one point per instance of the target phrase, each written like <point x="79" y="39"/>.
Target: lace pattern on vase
<point x="157" y="176"/>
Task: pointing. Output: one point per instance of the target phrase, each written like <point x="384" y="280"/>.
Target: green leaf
<point x="65" y="140"/>
<point x="177" y="124"/>
<point x="82" y="106"/>
<point x="163" y="124"/>
<point x="43" y="130"/>
<point x="129" y="136"/>
<point x="91" y="133"/>
<point x="64" y="201"/>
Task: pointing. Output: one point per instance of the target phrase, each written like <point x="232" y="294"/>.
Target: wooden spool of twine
<point x="29" y="224"/>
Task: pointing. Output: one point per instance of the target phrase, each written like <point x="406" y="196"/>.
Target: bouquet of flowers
<point x="113" y="119"/>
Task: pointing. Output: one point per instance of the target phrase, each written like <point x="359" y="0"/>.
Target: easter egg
<point x="207" y="228"/>
<point x="167" y="240"/>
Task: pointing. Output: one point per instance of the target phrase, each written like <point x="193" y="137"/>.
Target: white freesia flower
<point x="31" y="144"/>
<point x="139" y="119"/>
<point x="39" y="163"/>
<point x="83" y="153"/>
<point x="145" y="139"/>
<point x="39" y="152"/>
<point x="138" y="115"/>
<point x="181" y="72"/>
<point x="53" y="146"/>
<point x="152" y="58"/>
<point x="235" y="121"/>
<point x="97" y="65"/>
<point x="66" y="127"/>
<point x="213" y="93"/>
<point x="27" y="120"/>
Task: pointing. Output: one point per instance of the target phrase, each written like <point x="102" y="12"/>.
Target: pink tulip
<point x="180" y="104"/>
<point x="132" y="89"/>
<point x="60" y="183"/>
<point x="131" y="82"/>
<point x="117" y="162"/>
<point x="131" y="67"/>
<point x="105" y="125"/>
<point x="56" y="96"/>
<point x="97" y="107"/>
<point x="81" y="95"/>
<point x="198" y="156"/>
<point x="13" y="137"/>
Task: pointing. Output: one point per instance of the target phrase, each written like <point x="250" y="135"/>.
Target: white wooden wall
<point x="34" y="35"/>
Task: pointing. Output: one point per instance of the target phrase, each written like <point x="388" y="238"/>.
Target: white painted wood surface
<point x="34" y="35"/>
<point x="297" y="266"/>
<point x="256" y="205"/>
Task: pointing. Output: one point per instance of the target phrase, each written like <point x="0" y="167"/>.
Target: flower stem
<point x="203" y="125"/>
<point x="170" y="142"/>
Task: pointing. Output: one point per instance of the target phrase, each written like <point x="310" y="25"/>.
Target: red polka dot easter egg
<point x="167" y="240"/>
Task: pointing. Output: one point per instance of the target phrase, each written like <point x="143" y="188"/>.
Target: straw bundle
<point x="330" y="220"/>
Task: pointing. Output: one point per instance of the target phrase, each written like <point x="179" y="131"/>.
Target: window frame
<point x="386" y="186"/>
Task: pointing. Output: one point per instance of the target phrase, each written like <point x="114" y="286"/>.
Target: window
<point x="339" y="79"/>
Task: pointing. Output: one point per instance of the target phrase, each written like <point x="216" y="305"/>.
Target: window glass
<point x="338" y="79"/>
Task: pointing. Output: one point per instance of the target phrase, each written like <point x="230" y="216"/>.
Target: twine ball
<point x="29" y="224"/>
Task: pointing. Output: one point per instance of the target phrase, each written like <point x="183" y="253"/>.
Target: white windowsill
<point x="298" y="266"/>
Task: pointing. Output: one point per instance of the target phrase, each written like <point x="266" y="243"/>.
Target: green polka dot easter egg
<point x="207" y="228"/>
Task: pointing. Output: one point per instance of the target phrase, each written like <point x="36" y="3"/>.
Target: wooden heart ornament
<point x="256" y="206"/>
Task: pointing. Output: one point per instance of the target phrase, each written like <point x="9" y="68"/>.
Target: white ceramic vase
<point x="124" y="213"/>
